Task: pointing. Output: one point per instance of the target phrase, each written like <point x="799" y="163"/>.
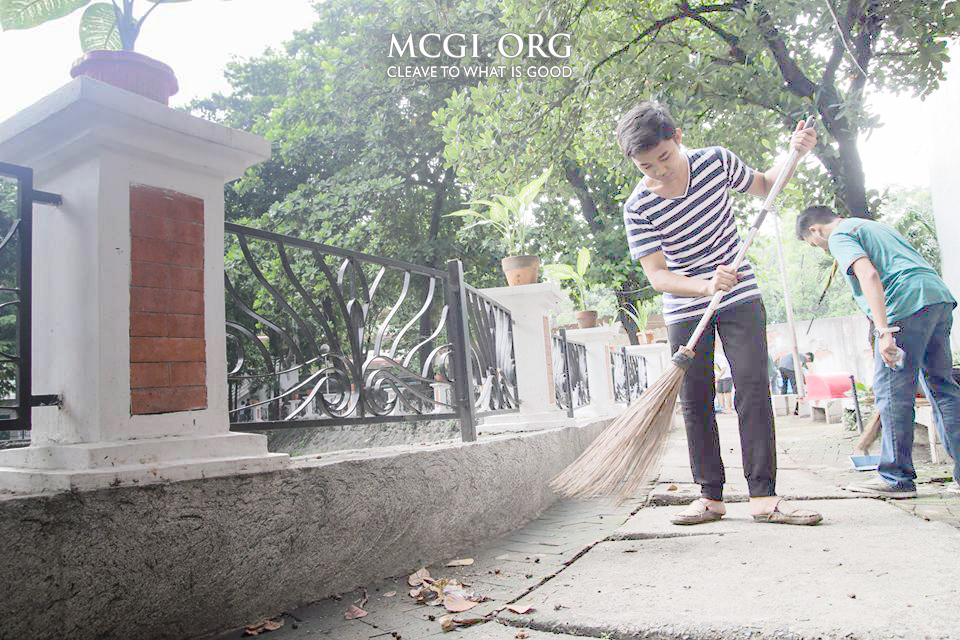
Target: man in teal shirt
<point x="911" y="309"/>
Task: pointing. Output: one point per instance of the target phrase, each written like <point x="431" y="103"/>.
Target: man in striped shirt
<point x="681" y="228"/>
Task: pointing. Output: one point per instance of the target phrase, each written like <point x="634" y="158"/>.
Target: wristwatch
<point x="879" y="332"/>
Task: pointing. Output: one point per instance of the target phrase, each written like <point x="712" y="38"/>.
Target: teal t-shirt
<point x="909" y="282"/>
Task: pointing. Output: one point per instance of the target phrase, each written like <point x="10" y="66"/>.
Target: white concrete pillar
<point x="531" y="307"/>
<point x="658" y="358"/>
<point x="128" y="293"/>
<point x="598" y="341"/>
<point x="944" y="186"/>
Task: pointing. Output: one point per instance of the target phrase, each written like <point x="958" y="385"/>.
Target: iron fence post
<point x="856" y="404"/>
<point x="626" y="372"/>
<point x="458" y="326"/>
<point x="25" y="312"/>
<point x="566" y="371"/>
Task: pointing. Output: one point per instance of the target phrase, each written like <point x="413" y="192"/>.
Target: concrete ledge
<point x="187" y="558"/>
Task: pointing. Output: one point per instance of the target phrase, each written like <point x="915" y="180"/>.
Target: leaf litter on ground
<point x="263" y="627"/>
<point x="463" y="562"/>
<point x="354" y="612"/>
<point x="446" y="591"/>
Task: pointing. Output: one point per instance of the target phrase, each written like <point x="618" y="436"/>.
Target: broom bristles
<point x="622" y="458"/>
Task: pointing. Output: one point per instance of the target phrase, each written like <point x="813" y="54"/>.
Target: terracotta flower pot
<point x="586" y="319"/>
<point x="128" y="70"/>
<point x="521" y="269"/>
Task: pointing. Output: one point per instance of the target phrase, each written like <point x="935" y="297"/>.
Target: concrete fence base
<point x="188" y="558"/>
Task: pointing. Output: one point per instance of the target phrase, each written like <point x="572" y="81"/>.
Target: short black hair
<point x="643" y="127"/>
<point x="817" y="214"/>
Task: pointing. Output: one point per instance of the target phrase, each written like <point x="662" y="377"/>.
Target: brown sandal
<point x="696" y="513"/>
<point x="795" y="516"/>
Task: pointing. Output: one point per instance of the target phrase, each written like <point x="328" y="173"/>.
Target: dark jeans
<point x="925" y="337"/>
<point x="789" y="378"/>
<point x="742" y="329"/>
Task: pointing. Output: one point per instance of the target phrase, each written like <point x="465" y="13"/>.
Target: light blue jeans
<point x="925" y="337"/>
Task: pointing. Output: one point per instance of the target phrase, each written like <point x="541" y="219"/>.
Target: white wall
<point x="944" y="185"/>
<point x="839" y="345"/>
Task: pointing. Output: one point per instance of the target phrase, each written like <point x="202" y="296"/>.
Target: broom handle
<point x="788" y="166"/>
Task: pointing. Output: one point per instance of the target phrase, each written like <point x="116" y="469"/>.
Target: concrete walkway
<point x="874" y="569"/>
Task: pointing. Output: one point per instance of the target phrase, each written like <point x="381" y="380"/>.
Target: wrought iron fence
<point x="318" y="335"/>
<point x="629" y="375"/>
<point x="570" y="381"/>
<point x="17" y="197"/>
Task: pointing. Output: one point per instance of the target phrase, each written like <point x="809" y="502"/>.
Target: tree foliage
<point x="738" y="73"/>
<point x="910" y="211"/>
<point x="356" y="162"/>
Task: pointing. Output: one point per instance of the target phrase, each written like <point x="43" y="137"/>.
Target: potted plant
<point x="108" y="32"/>
<point x="640" y="314"/>
<point x="560" y="271"/>
<point x="510" y="216"/>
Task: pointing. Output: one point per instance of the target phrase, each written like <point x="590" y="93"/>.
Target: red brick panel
<point x="168" y="370"/>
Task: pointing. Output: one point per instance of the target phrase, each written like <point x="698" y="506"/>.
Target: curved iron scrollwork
<point x="629" y="375"/>
<point x="318" y="335"/>
<point x="491" y="340"/>
<point x="11" y="298"/>
<point x="17" y="197"/>
<point x="570" y="382"/>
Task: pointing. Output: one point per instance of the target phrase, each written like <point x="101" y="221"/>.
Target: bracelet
<point x="877" y="333"/>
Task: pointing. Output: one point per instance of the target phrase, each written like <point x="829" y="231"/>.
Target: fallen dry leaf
<point x="520" y="609"/>
<point x="389" y="594"/>
<point x="672" y="487"/>
<point x="262" y="627"/>
<point x="415" y="593"/>
<point x="463" y="562"/>
<point x="457" y="602"/>
<point x="416" y="579"/>
<point x="452" y="621"/>
<point x="354" y="612"/>
<point x="521" y="635"/>
<point x="447" y="623"/>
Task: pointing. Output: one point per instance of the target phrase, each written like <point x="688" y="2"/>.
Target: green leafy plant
<point x="103" y="25"/>
<point x="639" y="313"/>
<point x="510" y="215"/>
<point x="562" y="271"/>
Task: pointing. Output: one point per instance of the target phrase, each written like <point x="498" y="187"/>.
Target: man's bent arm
<point x="665" y="281"/>
<point x="872" y="289"/>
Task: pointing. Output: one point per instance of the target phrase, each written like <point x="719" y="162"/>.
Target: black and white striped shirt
<point x="696" y="232"/>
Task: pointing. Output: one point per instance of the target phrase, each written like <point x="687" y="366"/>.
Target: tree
<point x="910" y="211"/>
<point x="752" y="66"/>
<point x="355" y="164"/>
<point x="738" y="73"/>
<point x="355" y="160"/>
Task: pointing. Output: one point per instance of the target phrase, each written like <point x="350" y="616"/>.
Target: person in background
<point x="787" y="372"/>
<point x="912" y="312"/>
<point x="724" y="382"/>
<point x="773" y="372"/>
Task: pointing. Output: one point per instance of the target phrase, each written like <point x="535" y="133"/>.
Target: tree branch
<point x="851" y="8"/>
<point x="797" y="81"/>
<point x="735" y="51"/>
<point x="685" y="12"/>
<point x="588" y="207"/>
<point x="871" y="24"/>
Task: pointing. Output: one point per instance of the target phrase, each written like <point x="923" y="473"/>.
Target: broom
<point x="621" y="458"/>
